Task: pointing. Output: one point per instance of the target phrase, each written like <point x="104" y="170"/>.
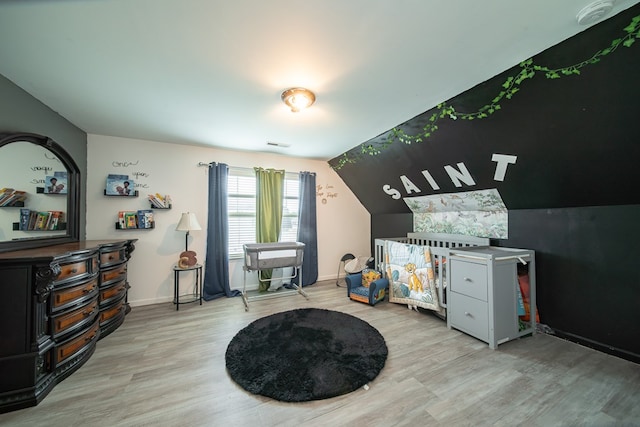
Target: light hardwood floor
<point x="164" y="367"/>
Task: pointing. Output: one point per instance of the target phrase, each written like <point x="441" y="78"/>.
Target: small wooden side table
<point x="176" y="285"/>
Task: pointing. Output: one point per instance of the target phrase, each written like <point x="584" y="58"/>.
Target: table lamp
<point x="188" y="222"/>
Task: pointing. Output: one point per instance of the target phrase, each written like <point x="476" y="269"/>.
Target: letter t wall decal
<point x="502" y="160"/>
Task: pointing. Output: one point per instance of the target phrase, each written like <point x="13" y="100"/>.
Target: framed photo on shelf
<point x="56" y="184"/>
<point x="120" y="185"/>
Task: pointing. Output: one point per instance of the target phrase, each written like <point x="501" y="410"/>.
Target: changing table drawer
<point x="469" y="278"/>
<point x="469" y="315"/>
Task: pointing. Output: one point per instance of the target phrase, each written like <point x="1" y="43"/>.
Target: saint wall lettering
<point x="459" y="175"/>
<point x="41" y="168"/>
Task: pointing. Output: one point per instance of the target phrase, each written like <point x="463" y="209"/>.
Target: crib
<point x="266" y="256"/>
<point x="439" y="244"/>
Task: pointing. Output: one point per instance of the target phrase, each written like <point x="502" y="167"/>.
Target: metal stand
<point x="269" y="294"/>
<point x="197" y="296"/>
<point x="343" y="260"/>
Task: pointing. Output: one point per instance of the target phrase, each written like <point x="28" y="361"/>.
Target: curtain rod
<point x="209" y="164"/>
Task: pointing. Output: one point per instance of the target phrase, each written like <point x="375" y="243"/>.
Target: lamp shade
<point x="188" y="222"/>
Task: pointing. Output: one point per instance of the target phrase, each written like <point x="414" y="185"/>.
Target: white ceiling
<point x="210" y="72"/>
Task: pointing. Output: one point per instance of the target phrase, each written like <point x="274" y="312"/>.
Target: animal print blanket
<point x="411" y="276"/>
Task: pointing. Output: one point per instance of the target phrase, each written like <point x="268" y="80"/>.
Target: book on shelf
<point x="145" y="218"/>
<point x="159" y="201"/>
<point x="5" y="193"/>
<point x="119" y="185"/>
<point x="121" y="223"/>
<point x="130" y="220"/>
<point x="41" y="222"/>
<point x="11" y="197"/>
<point x="55" y="220"/>
<point x="33" y="217"/>
<point x="56" y="184"/>
<point x="24" y="218"/>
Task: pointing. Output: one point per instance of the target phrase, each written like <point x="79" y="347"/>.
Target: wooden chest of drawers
<point x="113" y="288"/>
<point x="482" y="296"/>
<point x="56" y="302"/>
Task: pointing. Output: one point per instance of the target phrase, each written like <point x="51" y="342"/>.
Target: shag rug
<point x="305" y="354"/>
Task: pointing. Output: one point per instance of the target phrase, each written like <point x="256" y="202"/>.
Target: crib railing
<point x="439" y="244"/>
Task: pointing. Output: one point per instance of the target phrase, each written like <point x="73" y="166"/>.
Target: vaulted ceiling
<point x="210" y="72"/>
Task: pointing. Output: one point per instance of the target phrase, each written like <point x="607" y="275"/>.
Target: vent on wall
<point x="277" y="144"/>
<point x="594" y="12"/>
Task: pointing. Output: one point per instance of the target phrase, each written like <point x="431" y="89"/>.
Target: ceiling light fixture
<point x="594" y="12"/>
<point x="298" y="98"/>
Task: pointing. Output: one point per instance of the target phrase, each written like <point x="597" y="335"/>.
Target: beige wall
<point x="343" y="223"/>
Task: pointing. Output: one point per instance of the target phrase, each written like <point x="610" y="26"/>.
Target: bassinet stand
<point x="266" y="256"/>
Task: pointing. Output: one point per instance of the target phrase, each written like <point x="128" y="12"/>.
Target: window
<point x="242" y="209"/>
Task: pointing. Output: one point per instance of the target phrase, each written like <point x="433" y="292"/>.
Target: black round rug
<point x="305" y="354"/>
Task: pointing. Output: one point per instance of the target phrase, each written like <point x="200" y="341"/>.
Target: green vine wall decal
<point x="510" y="87"/>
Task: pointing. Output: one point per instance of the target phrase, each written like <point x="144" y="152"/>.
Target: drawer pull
<point x="74" y="270"/>
<point x="87" y="313"/>
<point x="87" y="339"/>
<point x="466" y="313"/>
<point x="468" y="279"/>
<point x="88" y="290"/>
<point x="111" y="257"/>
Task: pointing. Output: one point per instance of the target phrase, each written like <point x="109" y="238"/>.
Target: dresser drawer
<point x="469" y="278"/>
<point x="469" y="315"/>
<point x="66" y="322"/>
<point x="73" y="270"/>
<point x="112" y="293"/>
<point x="110" y="257"/>
<point x="109" y="314"/>
<point x="76" y="344"/>
<point x="113" y="274"/>
<point x="71" y="295"/>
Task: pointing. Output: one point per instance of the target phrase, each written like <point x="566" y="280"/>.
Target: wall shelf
<point x="61" y="227"/>
<point x="135" y="194"/>
<point x="14" y="205"/>
<point x="40" y="190"/>
<point x="118" y="227"/>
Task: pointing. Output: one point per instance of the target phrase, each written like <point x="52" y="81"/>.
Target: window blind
<point x="241" y="188"/>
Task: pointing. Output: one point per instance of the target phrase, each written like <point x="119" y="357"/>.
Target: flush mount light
<point x="298" y="98"/>
<point x="594" y="12"/>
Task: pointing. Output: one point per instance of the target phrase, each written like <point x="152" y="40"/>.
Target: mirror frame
<point x="73" y="193"/>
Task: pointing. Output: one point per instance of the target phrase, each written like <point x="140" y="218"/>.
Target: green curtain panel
<point x="269" y="191"/>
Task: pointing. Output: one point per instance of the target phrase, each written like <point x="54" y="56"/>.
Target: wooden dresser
<point x="56" y="302"/>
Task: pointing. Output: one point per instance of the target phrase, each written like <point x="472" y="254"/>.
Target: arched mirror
<point x="39" y="193"/>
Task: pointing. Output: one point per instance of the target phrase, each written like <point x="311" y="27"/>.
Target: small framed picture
<point x="56" y="184"/>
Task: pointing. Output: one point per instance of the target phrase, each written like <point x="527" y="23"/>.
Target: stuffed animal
<point x="368" y="276"/>
<point x="187" y="259"/>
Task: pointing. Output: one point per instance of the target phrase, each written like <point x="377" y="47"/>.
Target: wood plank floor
<point x="164" y="367"/>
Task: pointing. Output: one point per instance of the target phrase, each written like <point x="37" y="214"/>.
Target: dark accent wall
<point x="572" y="194"/>
<point x="21" y="112"/>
